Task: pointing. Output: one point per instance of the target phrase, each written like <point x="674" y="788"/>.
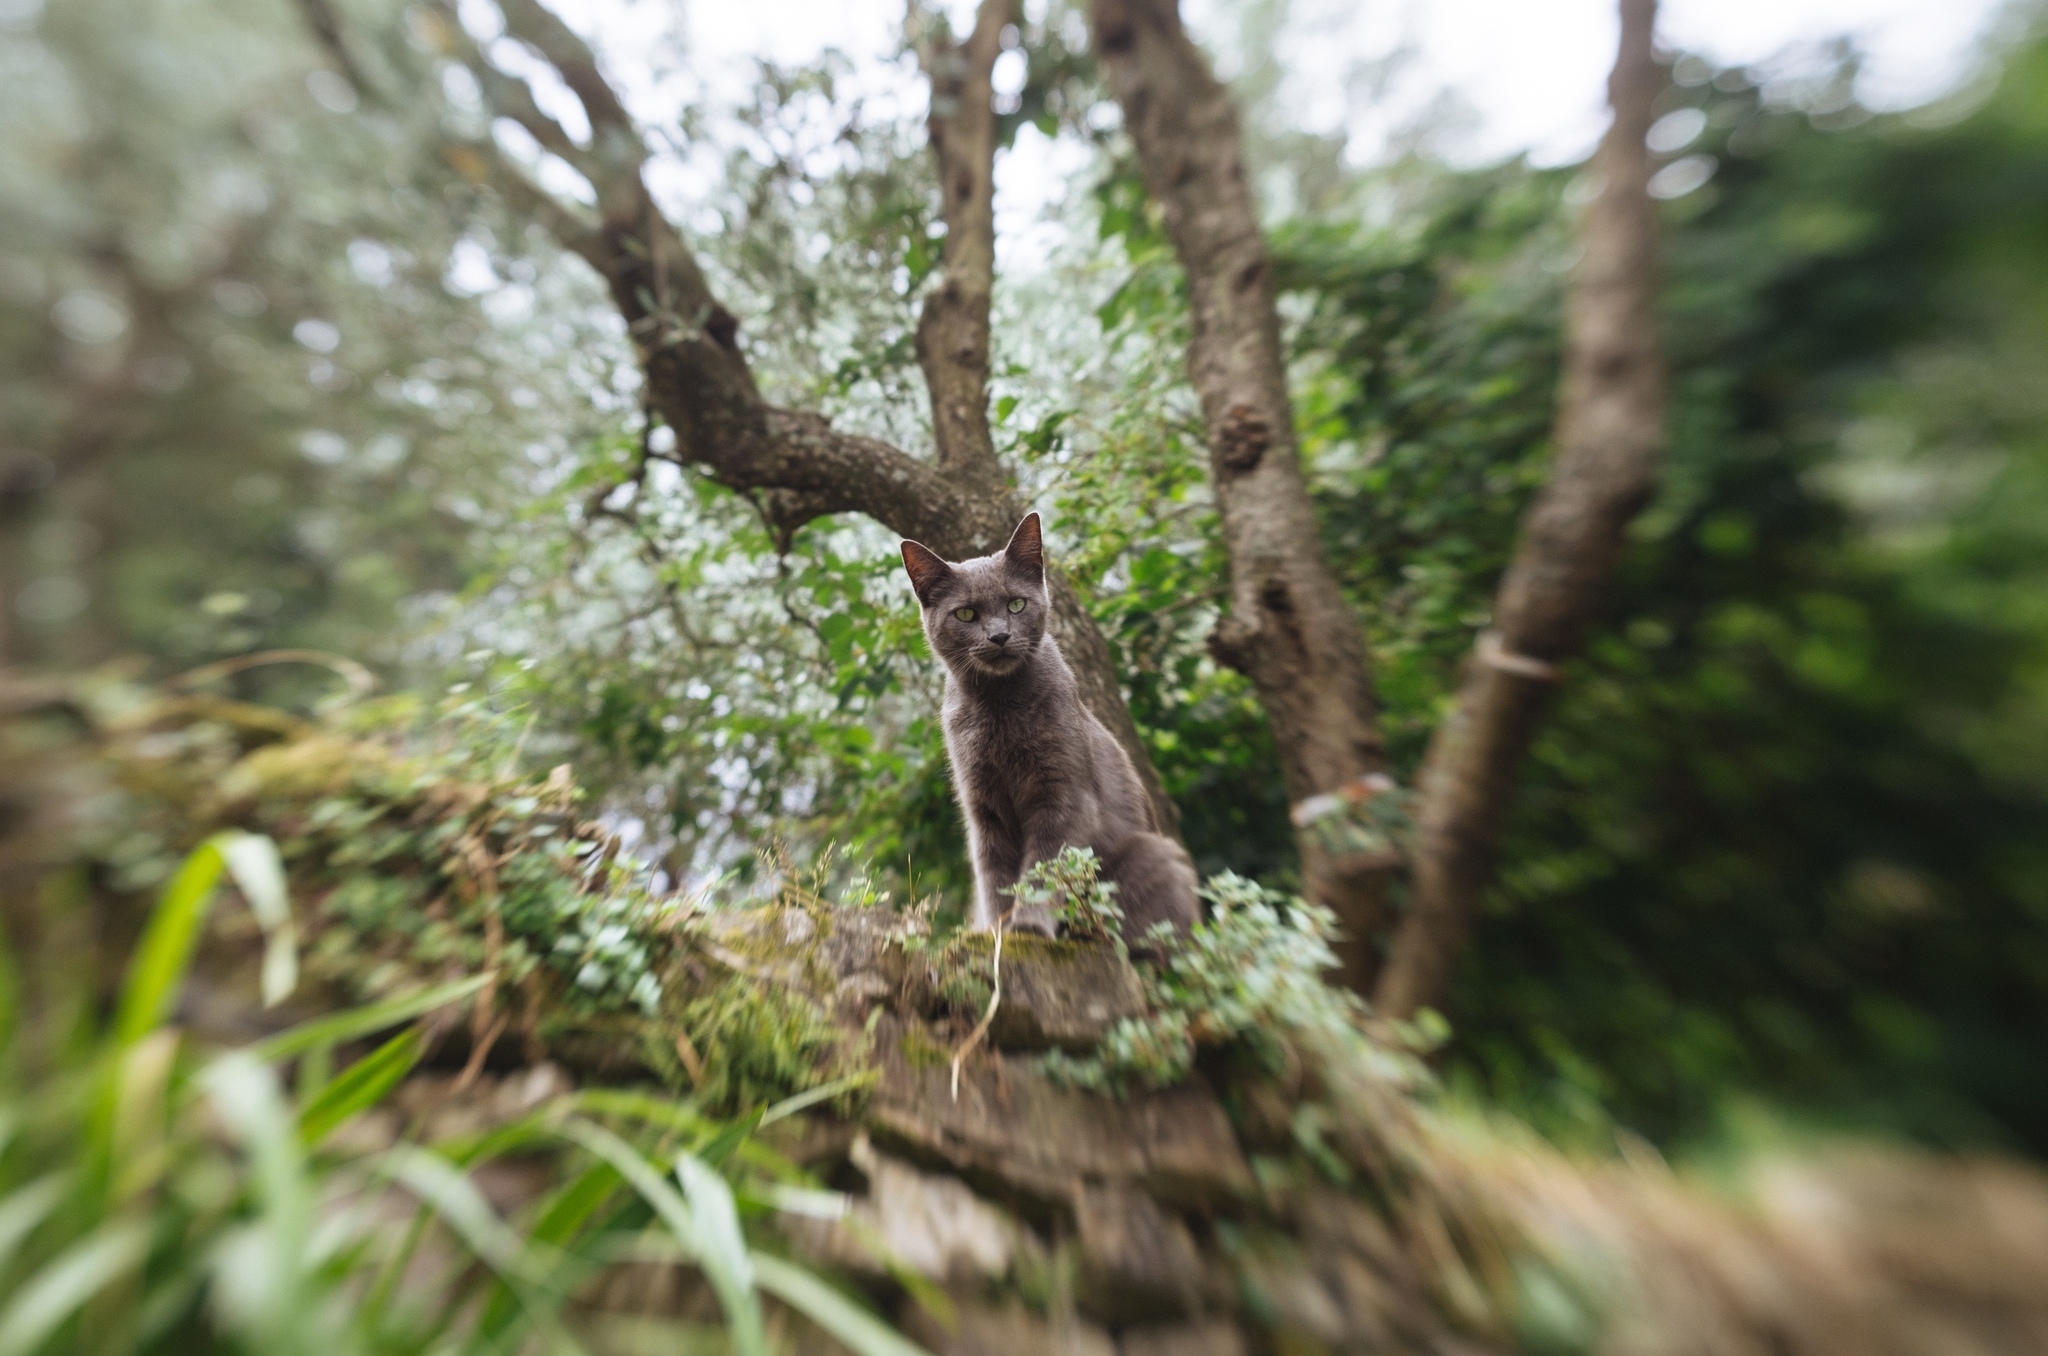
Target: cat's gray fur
<point x="1034" y="769"/>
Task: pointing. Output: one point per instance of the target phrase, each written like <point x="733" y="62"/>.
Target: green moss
<point x="920" y="1051"/>
<point x="759" y="1043"/>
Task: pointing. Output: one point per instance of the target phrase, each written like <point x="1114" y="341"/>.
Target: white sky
<point x="1531" y="71"/>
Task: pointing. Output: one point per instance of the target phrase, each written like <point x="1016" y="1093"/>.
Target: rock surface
<point x="1010" y="1330"/>
<point x="1013" y="1129"/>
<point x="1058" y="994"/>
<point x="1137" y="1261"/>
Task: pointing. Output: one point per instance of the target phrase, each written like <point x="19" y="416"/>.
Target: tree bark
<point x="793" y="464"/>
<point x="1289" y="629"/>
<point x="953" y="325"/>
<point x="1608" y="435"/>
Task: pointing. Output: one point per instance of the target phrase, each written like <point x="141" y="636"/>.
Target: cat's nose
<point x="999" y="638"/>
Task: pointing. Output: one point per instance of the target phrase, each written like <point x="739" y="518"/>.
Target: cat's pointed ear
<point x="1026" y="550"/>
<point x="927" y="571"/>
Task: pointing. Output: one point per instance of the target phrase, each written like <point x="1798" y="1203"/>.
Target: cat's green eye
<point x="964" y="613"/>
<point x="1016" y="605"/>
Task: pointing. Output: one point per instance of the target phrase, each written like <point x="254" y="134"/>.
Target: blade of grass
<point x="561" y="1219"/>
<point x="728" y="1140"/>
<point x="533" y="1129"/>
<point x="804" y="1101"/>
<point x="377" y="1301"/>
<point x="141" y="1092"/>
<point x="10" y="993"/>
<point x="455" y="1199"/>
<point x="717" y="1218"/>
<point x="365" y="1021"/>
<point x="928" y="1294"/>
<point x="246" y="1097"/>
<point x="803" y="1202"/>
<point x="539" y="1277"/>
<point x="860" y="1331"/>
<point x="643" y="1107"/>
<point x="708" y="1139"/>
<point x="360" y="1086"/>
<point x="253" y="861"/>
<point x="22" y="1209"/>
<point x="68" y="1283"/>
<point x="165" y="952"/>
<point x="742" y="1307"/>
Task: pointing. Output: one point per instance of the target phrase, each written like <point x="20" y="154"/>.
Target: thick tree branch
<point x="953" y="328"/>
<point x="512" y="99"/>
<point x="614" y="138"/>
<point x="1290" y="629"/>
<point x="1609" y="432"/>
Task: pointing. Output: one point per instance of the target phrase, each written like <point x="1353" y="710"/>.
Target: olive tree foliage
<point x="268" y="368"/>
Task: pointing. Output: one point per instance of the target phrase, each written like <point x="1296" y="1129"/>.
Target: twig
<point x="478" y="1055"/>
<point x="994" y="999"/>
<point x="360" y="680"/>
<point x="686" y="1051"/>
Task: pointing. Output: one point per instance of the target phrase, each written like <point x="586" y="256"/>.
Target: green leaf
<point x="68" y="1283"/>
<point x="734" y="1287"/>
<point x="536" y="1276"/>
<point x="452" y="1196"/>
<point x="26" y="1207"/>
<point x="253" y="861"/>
<point x="561" y="1219"/>
<point x="10" y="992"/>
<point x="361" y="1086"/>
<point x="365" y="1021"/>
<point x="641" y="1106"/>
<point x="727" y="1141"/>
<point x="1004" y="406"/>
<point x="165" y="952"/>
<point x="718" y="1219"/>
<point x="172" y="934"/>
<point x="803" y="1101"/>
<point x="860" y="1331"/>
<point x="246" y="1097"/>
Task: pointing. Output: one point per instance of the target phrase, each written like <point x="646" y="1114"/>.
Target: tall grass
<point x="161" y="1197"/>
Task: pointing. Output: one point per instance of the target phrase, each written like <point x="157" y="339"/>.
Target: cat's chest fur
<point x="1012" y="747"/>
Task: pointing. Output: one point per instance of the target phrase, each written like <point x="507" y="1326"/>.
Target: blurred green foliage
<point x="1781" y="838"/>
<point x="161" y="1196"/>
<point x="1782" y="833"/>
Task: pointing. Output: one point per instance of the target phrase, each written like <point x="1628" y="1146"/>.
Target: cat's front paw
<point x="1036" y="919"/>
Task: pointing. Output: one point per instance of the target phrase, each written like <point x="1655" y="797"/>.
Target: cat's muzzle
<point x="998" y="659"/>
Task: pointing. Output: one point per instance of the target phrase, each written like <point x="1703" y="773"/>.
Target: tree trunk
<point x="1609" y="431"/>
<point x="1289" y="629"/>
<point x="792" y="463"/>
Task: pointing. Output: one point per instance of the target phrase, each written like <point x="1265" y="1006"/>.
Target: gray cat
<point x="1034" y="769"/>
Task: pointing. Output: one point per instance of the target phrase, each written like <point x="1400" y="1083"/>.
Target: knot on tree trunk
<point x="723" y="327"/>
<point x="1230" y="643"/>
<point x="1242" y="441"/>
<point x="1115" y="32"/>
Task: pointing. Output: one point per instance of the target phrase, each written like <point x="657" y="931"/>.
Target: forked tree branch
<point x="1289" y="628"/>
<point x="793" y="463"/>
<point x="1610" y="429"/>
